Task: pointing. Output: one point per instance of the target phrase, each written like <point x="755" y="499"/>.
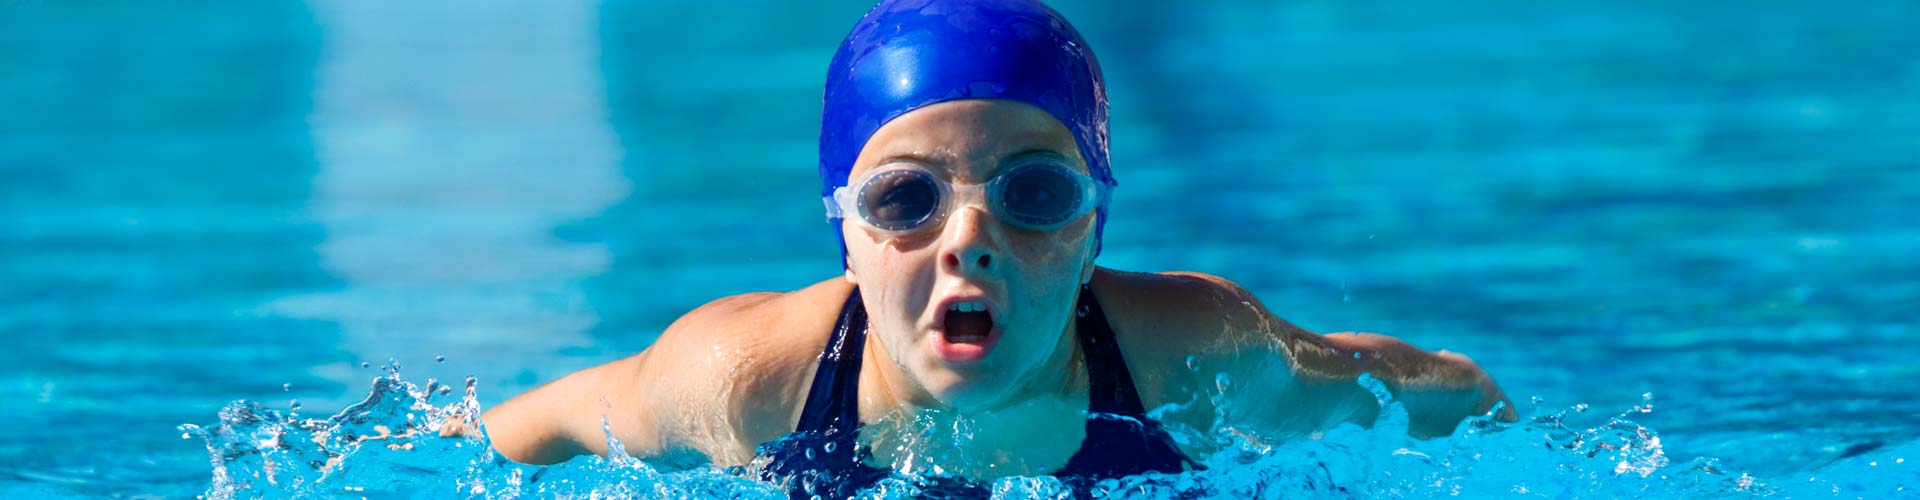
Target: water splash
<point x="389" y="445"/>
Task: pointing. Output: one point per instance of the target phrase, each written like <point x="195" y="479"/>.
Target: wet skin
<point x="734" y="373"/>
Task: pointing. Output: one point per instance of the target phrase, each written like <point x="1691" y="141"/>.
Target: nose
<point x="969" y="249"/>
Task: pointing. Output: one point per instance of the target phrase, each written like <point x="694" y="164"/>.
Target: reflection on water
<point x="453" y="139"/>
<point x="154" y="163"/>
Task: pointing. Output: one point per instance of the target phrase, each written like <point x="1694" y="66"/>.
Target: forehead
<point x="969" y="134"/>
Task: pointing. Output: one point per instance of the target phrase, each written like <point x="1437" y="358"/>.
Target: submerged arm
<point x="1438" y="389"/>
<point x="1306" y="381"/>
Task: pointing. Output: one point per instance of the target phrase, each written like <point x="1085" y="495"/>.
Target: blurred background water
<point x="212" y="201"/>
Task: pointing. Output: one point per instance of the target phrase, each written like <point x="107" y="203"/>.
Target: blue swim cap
<point x="906" y="54"/>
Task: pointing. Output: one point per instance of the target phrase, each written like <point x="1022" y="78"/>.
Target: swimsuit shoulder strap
<point x="1109" y="383"/>
<point x="821" y="458"/>
<point x="1121" y="440"/>
<point x="833" y="402"/>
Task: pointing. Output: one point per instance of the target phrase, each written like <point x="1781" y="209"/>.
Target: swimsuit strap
<point x="1109" y="382"/>
<point x="1121" y="440"/>
<point x="833" y="404"/>
<point x="822" y="458"/>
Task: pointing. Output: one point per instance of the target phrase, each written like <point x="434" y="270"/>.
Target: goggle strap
<point x="833" y="203"/>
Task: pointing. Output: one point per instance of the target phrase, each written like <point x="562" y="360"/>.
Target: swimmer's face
<point x="1027" y="279"/>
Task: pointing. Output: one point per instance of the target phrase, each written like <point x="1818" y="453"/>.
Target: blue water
<point x="1712" y="204"/>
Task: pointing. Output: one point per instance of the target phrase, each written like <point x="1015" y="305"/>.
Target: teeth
<point x="968" y="306"/>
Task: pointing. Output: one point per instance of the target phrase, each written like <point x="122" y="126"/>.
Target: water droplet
<point x="444" y="390"/>
<point x="810" y="454"/>
<point x="440" y="359"/>
<point x="1082" y="311"/>
<point x="830" y="446"/>
<point x="286" y="387"/>
<point x="1356" y="355"/>
<point x="186" y="435"/>
<point x="364" y="364"/>
<point x="1193" y="364"/>
<point x="1222" y="381"/>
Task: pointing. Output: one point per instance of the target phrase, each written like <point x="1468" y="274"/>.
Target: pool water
<point x="1694" y="221"/>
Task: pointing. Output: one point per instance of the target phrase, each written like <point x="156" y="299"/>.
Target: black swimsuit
<point x="822" y="458"/>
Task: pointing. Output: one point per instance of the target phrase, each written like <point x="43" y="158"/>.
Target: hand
<point x="1451" y="390"/>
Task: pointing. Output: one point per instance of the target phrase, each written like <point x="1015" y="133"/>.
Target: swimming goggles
<point x="900" y="198"/>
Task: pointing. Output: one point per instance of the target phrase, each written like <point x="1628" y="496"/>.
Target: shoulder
<point x="1179" y="328"/>
<point x="762" y="323"/>
<point x="736" y="368"/>
<point x="1188" y="309"/>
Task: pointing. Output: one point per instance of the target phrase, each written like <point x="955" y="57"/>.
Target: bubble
<point x="439" y="359"/>
<point x="286" y="387"/>
<point x="364" y="364"/>
<point x="1222" y="381"/>
<point x="444" y="390"/>
<point x="1193" y="364"/>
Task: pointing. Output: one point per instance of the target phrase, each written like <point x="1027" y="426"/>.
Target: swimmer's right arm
<point x="561" y="419"/>
<point x="668" y="397"/>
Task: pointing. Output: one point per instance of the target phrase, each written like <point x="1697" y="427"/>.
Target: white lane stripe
<point x="453" y="139"/>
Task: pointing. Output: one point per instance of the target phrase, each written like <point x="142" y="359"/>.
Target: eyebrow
<point x="926" y="160"/>
<point x="1037" y="151"/>
<point x="916" y="158"/>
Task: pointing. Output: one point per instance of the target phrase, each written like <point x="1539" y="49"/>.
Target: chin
<point x="965" y="388"/>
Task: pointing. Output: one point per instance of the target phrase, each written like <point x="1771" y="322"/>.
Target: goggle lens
<point x="899" y="200"/>
<point x="1039" y="196"/>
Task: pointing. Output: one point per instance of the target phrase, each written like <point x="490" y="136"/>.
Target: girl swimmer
<point x="963" y="152"/>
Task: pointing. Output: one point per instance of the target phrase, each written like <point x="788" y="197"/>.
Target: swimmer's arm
<point x="562" y="419"/>
<point x="1438" y="389"/>
<point x="669" y="398"/>
<point x="1306" y="380"/>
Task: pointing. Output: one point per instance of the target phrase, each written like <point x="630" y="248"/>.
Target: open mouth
<point x="966" y="331"/>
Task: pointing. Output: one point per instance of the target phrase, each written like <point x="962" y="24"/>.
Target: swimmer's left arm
<point x="1309" y="378"/>
<point x="1438" y="389"/>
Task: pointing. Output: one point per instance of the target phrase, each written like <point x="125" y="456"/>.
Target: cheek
<point x="889" y="273"/>
<point x="1048" y="280"/>
<point x="1042" y="255"/>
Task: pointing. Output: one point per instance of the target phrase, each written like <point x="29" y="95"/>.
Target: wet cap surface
<point x="907" y="54"/>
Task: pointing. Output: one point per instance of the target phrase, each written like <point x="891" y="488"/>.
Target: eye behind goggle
<point x="1041" y="195"/>
<point x="899" y="200"/>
